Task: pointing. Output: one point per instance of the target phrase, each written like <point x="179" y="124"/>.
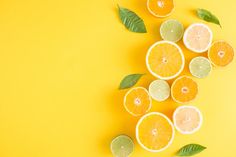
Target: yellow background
<point x="61" y="63"/>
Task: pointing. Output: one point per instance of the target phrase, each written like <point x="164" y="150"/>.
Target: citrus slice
<point x="200" y="67"/>
<point x="172" y="30"/>
<point x="137" y="101"/>
<point x="122" y="146"/>
<point x="184" y="89"/>
<point x="159" y="90"/>
<point x="198" y="37"/>
<point x="160" y="8"/>
<point x="221" y="53"/>
<point x="155" y="132"/>
<point x="165" y="60"/>
<point x="187" y="119"/>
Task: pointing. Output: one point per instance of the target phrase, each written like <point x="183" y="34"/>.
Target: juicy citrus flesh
<point x="187" y="119"/>
<point x="200" y="67"/>
<point x="198" y="37"/>
<point x="137" y="101"/>
<point x="165" y="60"/>
<point x="122" y="146"/>
<point x="221" y="53"/>
<point x="159" y="90"/>
<point x="160" y="8"/>
<point x="171" y="30"/>
<point x="184" y="89"/>
<point x="154" y="132"/>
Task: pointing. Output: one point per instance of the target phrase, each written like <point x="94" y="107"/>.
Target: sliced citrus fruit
<point x="154" y="132"/>
<point x="198" y="37"/>
<point x="200" y="67"/>
<point x="172" y="30"/>
<point x="137" y="101"/>
<point x="187" y="119"/>
<point x="221" y="53"/>
<point x="165" y="60"/>
<point x="122" y="146"/>
<point x="184" y="89"/>
<point x="159" y="90"/>
<point x="160" y="8"/>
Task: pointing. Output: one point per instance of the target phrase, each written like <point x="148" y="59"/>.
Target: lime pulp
<point x="200" y="67"/>
<point x="172" y="30"/>
<point x="122" y="146"/>
<point x="159" y="90"/>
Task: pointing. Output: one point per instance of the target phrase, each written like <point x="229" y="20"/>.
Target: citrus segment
<point x="187" y="119"/>
<point x="172" y="30"/>
<point x="198" y="37"/>
<point x="155" y="132"/>
<point x="137" y="101"/>
<point x="159" y="90"/>
<point x="160" y="8"/>
<point x="221" y="53"/>
<point x="200" y="67"/>
<point x="184" y="89"/>
<point x="165" y="60"/>
<point x="122" y="146"/>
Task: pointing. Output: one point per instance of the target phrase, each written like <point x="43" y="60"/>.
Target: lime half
<point x="200" y="67"/>
<point x="122" y="146"/>
<point x="159" y="90"/>
<point x="172" y="30"/>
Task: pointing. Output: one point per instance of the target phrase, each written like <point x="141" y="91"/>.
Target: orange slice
<point x="221" y="53"/>
<point x="160" y="8"/>
<point x="165" y="60"/>
<point x="198" y="37"/>
<point x="184" y="89"/>
<point x="187" y="119"/>
<point x="155" y="132"/>
<point x="137" y="101"/>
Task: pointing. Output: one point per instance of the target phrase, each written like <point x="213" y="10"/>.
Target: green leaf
<point x="130" y="80"/>
<point x="208" y="16"/>
<point x="190" y="149"/>
<point x="131" y="20"/>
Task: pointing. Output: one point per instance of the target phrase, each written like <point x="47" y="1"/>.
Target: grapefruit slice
<point x="221" y="53"/>
<point x="165" y="60"/>
<point x="184" y="89"/>
<point x="122" y="146"/>
<point x="187" y="119"/>
<point x="198" y="37"/>
<point x="155" y="132"/>
<point x="160" y="8"/>
<point x="137" y="101"/>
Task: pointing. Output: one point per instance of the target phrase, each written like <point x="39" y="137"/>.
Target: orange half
<point x="137" y="101"/>
<point x="165" y="60"/>
<point x="221" y="53"/>
<point x="155" y="132"/>
<point x="160" y="8"/>
<point x="184" y="89"/>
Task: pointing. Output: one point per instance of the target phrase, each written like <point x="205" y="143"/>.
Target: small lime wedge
<point x="159" y="90"/>
<point x="200" y="67"/>
<point x="122" y="146"/>
<point x="172" y="30"/>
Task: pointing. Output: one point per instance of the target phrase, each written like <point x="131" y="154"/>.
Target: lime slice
<point x="200" y="67"/>
<point x="122" y="146"/>
<point x="172" y="30"/>
<point x="159" y="90"/>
